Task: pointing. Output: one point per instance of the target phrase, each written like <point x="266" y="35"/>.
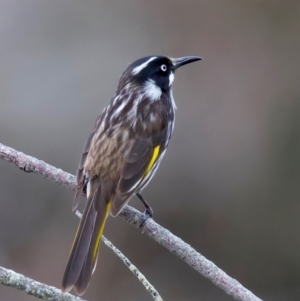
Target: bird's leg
<point x="148" y="211"/>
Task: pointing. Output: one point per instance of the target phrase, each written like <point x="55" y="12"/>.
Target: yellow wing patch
<point x="152" y="161"/>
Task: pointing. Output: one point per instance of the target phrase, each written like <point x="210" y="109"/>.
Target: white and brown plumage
<point x="121" y="155"/>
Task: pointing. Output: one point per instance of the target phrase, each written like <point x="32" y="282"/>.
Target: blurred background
<point x="229" y="183"/>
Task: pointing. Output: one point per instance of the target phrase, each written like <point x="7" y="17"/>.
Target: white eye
<point x="163" y="68"/>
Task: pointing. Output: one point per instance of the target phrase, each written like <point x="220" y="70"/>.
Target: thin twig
<point x="163" y="236"/>
<point x="34" y="288"/>
<point x="149" y="287"/>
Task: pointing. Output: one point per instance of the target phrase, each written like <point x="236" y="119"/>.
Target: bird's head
<point x="155" y="74"/>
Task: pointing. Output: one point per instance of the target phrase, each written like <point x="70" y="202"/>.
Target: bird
<point x="121" y="155"/>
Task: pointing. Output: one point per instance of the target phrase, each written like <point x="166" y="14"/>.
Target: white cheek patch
<point x="151" y="90"/>
<point x="139" y="68"/>
<point x="171" y="78"/>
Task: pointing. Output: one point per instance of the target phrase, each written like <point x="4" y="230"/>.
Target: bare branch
<point x="34" y="288"/>
<point x="31" y="164"/>
<point x="184" y="251"/>
<point x="163" y="236"/>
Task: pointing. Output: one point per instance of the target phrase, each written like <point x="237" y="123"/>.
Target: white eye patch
<point x="163" y="68"/>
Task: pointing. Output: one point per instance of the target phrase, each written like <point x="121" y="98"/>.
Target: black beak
<point x="184" y="60"/>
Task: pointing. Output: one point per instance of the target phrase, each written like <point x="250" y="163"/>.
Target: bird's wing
<point x="144" y="151"/>
<point x="80" y="177"/>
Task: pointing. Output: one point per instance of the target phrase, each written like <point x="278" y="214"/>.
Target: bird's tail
<point x="84" y="251"/>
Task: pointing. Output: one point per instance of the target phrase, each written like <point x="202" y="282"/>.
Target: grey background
<point x="229" y="183"/>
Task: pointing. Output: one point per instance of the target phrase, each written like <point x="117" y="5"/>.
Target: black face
<point x="154" y="68"/>
<point x="158" y="70"/>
